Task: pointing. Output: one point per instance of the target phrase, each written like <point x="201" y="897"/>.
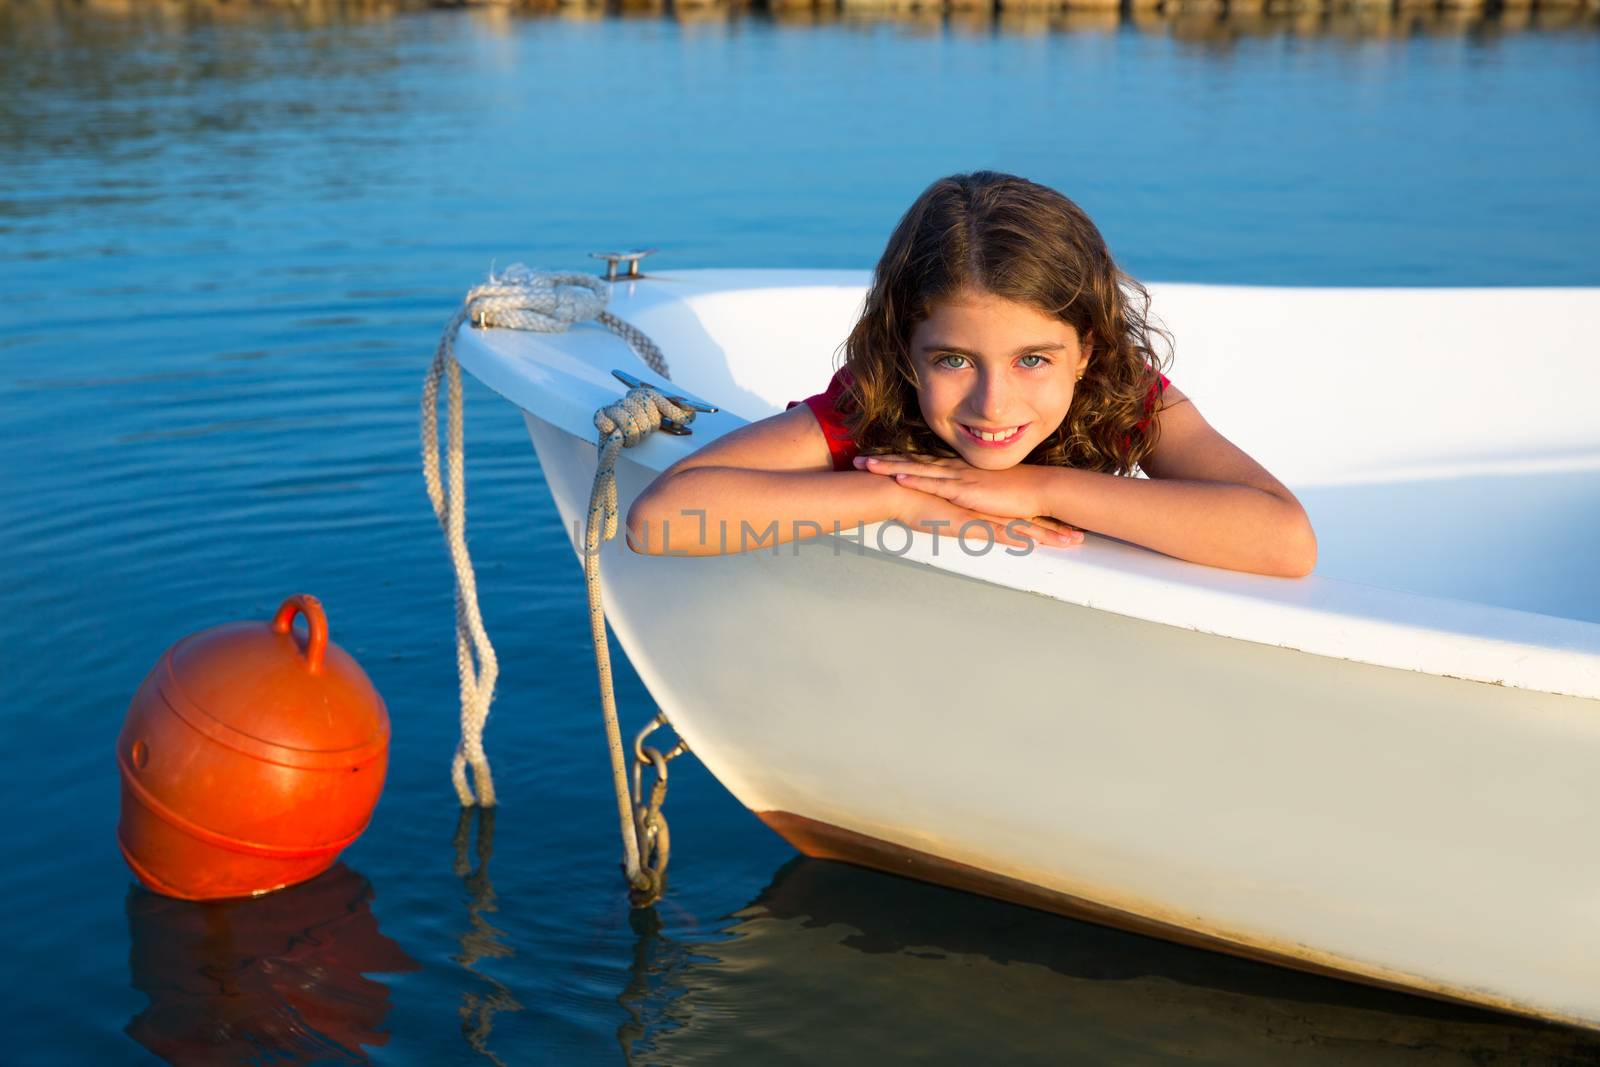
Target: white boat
<point x="1388" y="771"/>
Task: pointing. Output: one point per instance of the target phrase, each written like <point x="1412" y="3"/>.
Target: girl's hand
<point x="1011" y="493"/>
<point x="930" y="514"/>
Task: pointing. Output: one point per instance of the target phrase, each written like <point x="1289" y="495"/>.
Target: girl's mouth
<point x="999" y="438"/>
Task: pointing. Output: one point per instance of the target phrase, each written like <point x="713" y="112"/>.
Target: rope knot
<point x="522" y="298"/>
<point x="638" y="414"/>
<point x="525" y="299"/>
<point x="622" y="424"/>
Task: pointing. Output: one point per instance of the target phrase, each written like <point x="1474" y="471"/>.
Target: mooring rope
<point x="549" y="303"/>
<point x="521" y="299"/>
<point x="624" y="424"/>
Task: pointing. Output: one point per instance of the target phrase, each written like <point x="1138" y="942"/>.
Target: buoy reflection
<point x="283" y="977"/>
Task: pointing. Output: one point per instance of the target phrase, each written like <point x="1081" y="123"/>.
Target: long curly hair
<point x="1025" y="242"/>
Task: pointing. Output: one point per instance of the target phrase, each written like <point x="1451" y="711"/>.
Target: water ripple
<point x="230" y="243"/>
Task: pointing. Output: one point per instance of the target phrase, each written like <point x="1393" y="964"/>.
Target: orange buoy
<point x="249" y="758"/>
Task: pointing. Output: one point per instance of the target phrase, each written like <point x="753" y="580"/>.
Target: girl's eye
<point x="945" y="360"/>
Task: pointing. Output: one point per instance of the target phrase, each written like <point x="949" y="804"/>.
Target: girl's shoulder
<point x="826" y="407"/>
<point x="1152" y="399"/>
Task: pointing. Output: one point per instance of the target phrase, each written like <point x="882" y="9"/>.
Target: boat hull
<point x="1392" y="826"/>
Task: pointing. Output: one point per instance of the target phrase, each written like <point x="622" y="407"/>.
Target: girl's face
<point x="996" y="376"/>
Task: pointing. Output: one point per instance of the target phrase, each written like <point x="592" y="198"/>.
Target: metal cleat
<point x="630" y="258"/>
<point x="671" y="426"/>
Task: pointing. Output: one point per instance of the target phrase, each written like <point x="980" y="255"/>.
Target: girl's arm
<point x="1205" y="501"/>
<point x="773" y="481"/>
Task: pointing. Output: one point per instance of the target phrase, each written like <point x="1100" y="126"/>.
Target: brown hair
<point x="1025" y="242"/>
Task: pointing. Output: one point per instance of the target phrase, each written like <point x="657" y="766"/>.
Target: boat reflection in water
<point x="280" y="978"/>
<point x="833" y="959"/>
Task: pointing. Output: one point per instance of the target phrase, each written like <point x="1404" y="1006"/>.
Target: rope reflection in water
<point x="655" y="997"/>
<point x="481" y="939"/>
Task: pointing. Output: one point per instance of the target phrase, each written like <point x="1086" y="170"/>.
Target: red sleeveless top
<point x="825" y="406"/>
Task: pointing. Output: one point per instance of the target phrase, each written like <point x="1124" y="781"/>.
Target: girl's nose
<point x="990" y="396"/>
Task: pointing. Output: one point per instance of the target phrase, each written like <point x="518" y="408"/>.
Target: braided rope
<point x="623" y="424"/>
<point x="637" y="341"/>
<point x="520" y="299"/>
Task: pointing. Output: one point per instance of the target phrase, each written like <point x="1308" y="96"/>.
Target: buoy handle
<point x="309" y="606"/>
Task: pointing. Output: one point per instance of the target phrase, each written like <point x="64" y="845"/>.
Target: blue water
<point x="227" y="247"/>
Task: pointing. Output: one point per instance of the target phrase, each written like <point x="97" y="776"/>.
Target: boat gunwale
<point x="1377" y="625"/>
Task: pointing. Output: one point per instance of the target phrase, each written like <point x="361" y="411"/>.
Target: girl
<point x="1001" y="380"/>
